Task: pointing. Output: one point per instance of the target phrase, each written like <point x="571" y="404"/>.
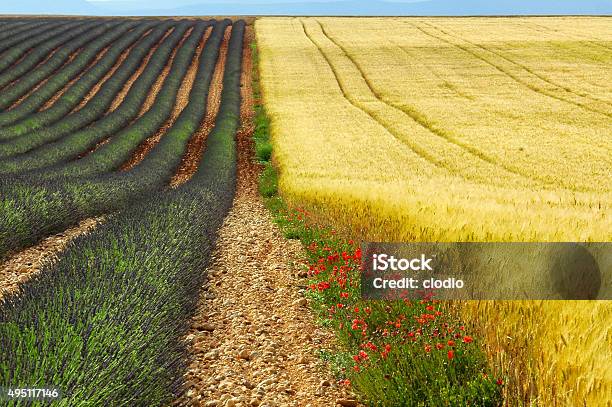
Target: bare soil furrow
<point x="23" y="265"/>
<point x="182" y="99"/>
<point x="157" y="86"/>
<point x="63" y="90"/>
<point x="44" y="61"/>
<point x="150" y="99"/>
<point x="128" y="85"/>
<point x="21" y="58"/>
<point x="92" y="92"/>
<point x="41" y="83"/>
<point x="195" y="147"/>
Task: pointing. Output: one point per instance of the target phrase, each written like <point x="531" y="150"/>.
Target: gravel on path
<point x="254" y="340"/>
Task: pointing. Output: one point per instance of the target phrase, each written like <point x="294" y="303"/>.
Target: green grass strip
<point x="391" y="353"/>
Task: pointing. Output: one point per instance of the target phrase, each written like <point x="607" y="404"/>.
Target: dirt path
<point x="253" y="339"/>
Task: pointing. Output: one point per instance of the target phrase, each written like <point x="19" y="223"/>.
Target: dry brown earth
<point x="21" y="266"/>
<point x="254" y="340"/>
<point x="181" y="101"/>
<point x="196" y="145"/>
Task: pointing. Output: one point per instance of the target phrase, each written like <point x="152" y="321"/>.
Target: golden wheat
<point x="472" y="129"/>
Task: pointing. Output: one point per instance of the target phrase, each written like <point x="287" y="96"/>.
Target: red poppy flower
<point x="450" y="354"/>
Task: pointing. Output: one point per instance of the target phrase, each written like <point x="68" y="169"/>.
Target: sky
<point x="304" y="7"/>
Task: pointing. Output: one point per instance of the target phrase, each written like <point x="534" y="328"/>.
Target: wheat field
<point x="459" y="129"/>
